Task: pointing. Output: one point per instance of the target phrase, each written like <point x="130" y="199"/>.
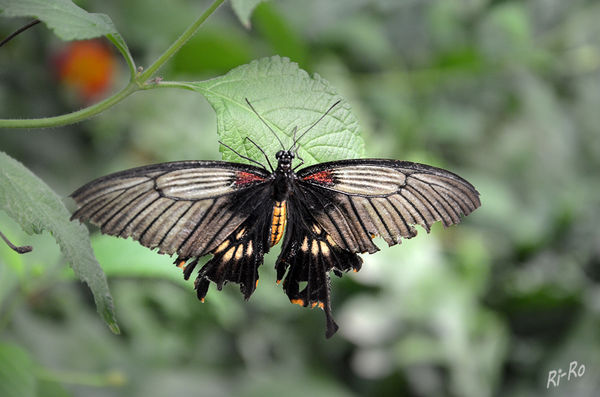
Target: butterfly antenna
<point x="296" y="151"/>
<point x="315" y="123"/>
<point x="296" y="154"/>
<point x="262" y="151"/>
<point x="264" y="122"/>
<point x="244" y="157"/>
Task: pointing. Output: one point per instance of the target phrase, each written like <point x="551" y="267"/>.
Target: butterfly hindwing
<point x="308" y="254"/>
<point x="237" y="258"/>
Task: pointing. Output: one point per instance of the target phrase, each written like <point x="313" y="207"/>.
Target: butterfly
<point x="327" y="214"/>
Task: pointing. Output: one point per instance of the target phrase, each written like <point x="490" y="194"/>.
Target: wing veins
<point x="354" y="194"/>
<point x="360" y="221"/>
<point x="380" y="218"/>
<point x="470" y="205"/>
<point x="185" y="240"/>
<point x="417" y="190"/>
<point x="231" y="214"/>
<point x="441" y="199"/>
<point x="333" y="221"/>
<point x="110" y="218"/>
<point x="465" y="190"/>
<point x="103" y="207"/>
<point x="184" y="213"/>
<point x="425" y="221"/>
<point x="163" y="212"/>
<point x="137" y="214"/>
<point x="406" y="225"/>
<point x="111" y="191"/>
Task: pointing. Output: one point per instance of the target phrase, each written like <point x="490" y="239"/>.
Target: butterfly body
<point x="278" y="223"/>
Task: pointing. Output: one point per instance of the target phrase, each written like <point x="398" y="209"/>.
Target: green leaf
<point x="31" y="203"/>
<point x="243" y="9"/>
<point x="68" y="21"/>
<point x="17" y="371"/>
<point x="286" y="97"/>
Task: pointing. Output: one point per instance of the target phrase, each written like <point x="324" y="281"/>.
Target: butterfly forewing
<point x="183" y="207"/>
<point x="358" y="199"/>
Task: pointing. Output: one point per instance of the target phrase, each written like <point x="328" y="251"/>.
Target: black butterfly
<point x="237" y="212"/>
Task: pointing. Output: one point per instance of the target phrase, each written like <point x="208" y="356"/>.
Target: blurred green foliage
<point x="505" y="93"/>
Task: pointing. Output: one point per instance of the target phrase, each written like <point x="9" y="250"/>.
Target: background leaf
<point x="243" y="9"/>
<point x="16" y="372"/>
<point x="286" y="97"/>
<point x="30" y="202"/>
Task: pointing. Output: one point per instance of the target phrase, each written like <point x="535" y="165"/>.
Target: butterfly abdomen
<point x="278" y="222"/>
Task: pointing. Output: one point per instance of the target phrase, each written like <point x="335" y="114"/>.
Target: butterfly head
<point x="284" y="159"/>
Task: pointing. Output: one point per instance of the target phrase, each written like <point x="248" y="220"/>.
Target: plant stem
<point x="71" y="118"/>
<point x="181" y="40"/>
<point x="137" y="83"/>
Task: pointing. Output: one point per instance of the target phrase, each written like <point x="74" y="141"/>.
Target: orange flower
<point x="87" y="67"/>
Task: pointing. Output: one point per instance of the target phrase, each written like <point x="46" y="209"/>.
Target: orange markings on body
<point x="298" y="302"/>
<point x="278" y="222"/>
<point x="181" y="265"/>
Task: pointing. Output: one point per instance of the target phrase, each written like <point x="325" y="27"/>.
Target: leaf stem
<point x="138" y="82"/>
<point x="118" y="42"/>
<point x="170" y="84"/>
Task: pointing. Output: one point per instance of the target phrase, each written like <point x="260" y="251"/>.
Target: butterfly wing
<point x="336" y="209"/>
<point x="191" y="208"/>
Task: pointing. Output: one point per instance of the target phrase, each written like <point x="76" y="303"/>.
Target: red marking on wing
<point x="322" y="177"/>
<point x="245" y="178"/>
